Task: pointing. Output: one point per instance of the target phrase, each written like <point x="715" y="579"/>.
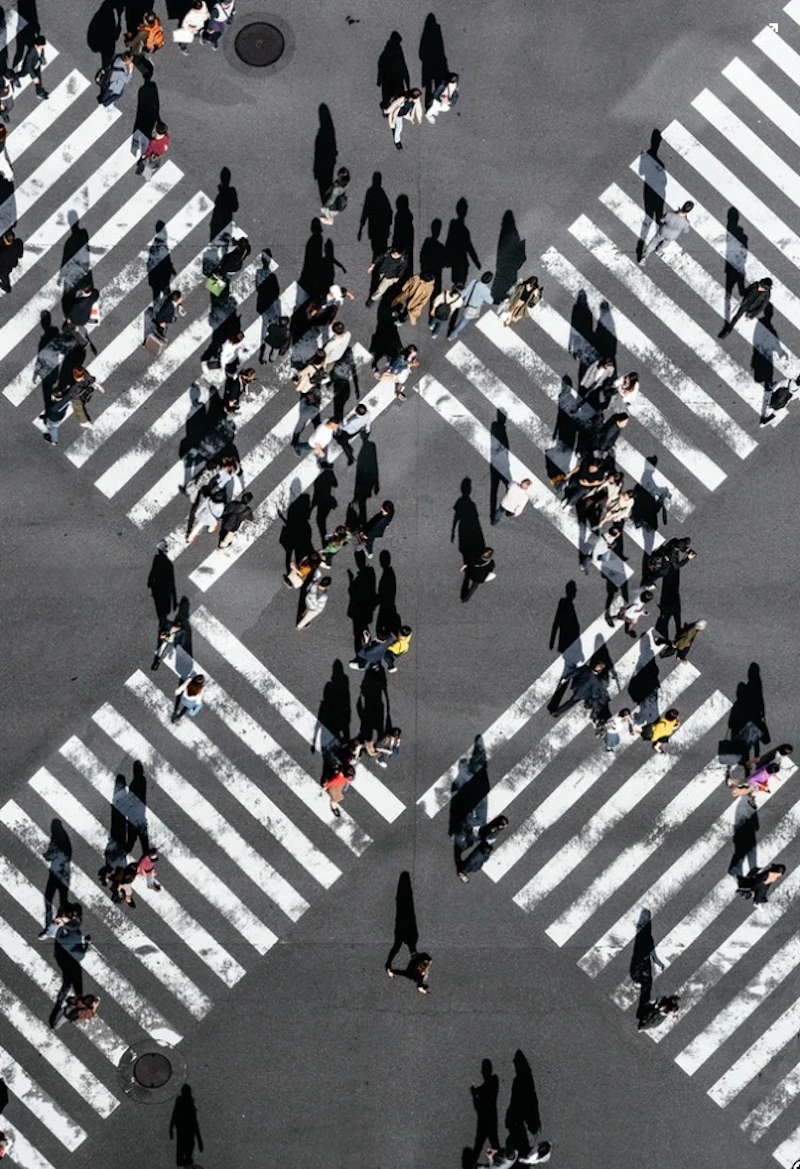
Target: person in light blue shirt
<point x="475" y="296"/>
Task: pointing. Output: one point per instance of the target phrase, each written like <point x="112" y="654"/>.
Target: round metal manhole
<point x="259" y="44"/>
<point x="152" y="1070"/>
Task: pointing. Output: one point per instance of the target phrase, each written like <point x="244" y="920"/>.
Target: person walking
<point x="235" y="513"/>
<point x="476" y="296"/>
<point x="157" y="147"/>
<point x="168" y="313"/>
<point x="662" y="730"/>
<point x="335" y="199"/>
<point x="386" y="748"/>
<point x="11" y="251"/>
<point x="417" y="970"/>
<point x="278" y="339"/>
<point x="487" y="838"/>
<point x="315" y="600"/>
<point x="372" y="652"/>
<point x="443" y="98"/>
<point x="321" y="440"/>
<point x="358" y="421"/>
<point x="7" y="83"/>
<point x="33" y="65"/>
<point x="337" y="345"/>
<point x="779" y="399"/>
<point x="221" y="17"/>
<point x="116" y="78"/>
<point x="756" y="783"/>
<point x="189" y="697"/>
<point x="147" y="40"/>
<point x="407" y="107"/>
<point x="55" y="413"/>
<point x="632" y="612"/>
<point x="414" y="295"/>
<point x="681" y="645"/>
<point x="755" y="299"/>
<point x="398" y="648"/>
<point x="524" y="297"/>
<point x="172" y="636"/>
<point x="312" y="375"/>
<point x="758" y="881"/>
<point x="389" y="268"/>
<point x="375" y="527"/>
<point x="399" y="371"/>
<point x="339" y="538"/>
<point x="620" y="730"/>
<point x="77" y="1009"/>
<point x="83" y="386"/>
<point x="513" y="502"/>
<point x="6" y="166"/>
<point x="337" y="786"/>
<point x="671" y="228"/>
<point x="477" y="572"/>
<point x="208" y="512"/>
<point x="655" y="1012"/>
<point x="80" y="312"/>
<point x="443" y="305"/>
<point x="192" y="25"/>
<point x="236" y="387"/>
<point x="627" y="386"/>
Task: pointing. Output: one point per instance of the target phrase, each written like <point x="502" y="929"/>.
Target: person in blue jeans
<point x="386" y="749"/>
<point x="189" y="697"/>
<point x="476" y="296"/>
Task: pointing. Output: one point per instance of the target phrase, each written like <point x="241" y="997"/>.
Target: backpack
<point x="155" y="39"/>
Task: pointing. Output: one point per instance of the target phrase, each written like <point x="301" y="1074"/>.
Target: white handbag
<point x="182" y="36"/>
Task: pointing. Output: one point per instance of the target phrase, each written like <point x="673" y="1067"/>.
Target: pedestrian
<point x="414" y="296"/>
<point x="4" y="1143"/>
<point x="233" y="260"/>
<point x="221" y="16"/>
<point x="157" y="147"/>
<point x="80" y="311"/>
<point x="398" y="648"/>
<point x="7" y="83"/>
<point x="779" y="755"/>
<point x="77" y="1009"/>
<point x="672" y="556"/>
<point x="662" y="730"/>
<point x="148" y="39"/>
<point x="115" y="79"/>
<point x="477" y="572"/>
<point x="682" y="644"/>
<point x="476" y="296"/>
<point x="320" y="442"/>
<point x="417" y="970"/>
<point x="627" y="386"/>
<point x="337" y="786"/>
<point x="375" y="527"/>
<point x="11" y="250"/>
<point x="779" y="399"/>
<point x="189" y="697"/>
<point x="620" y="730"/>
<point x="68" y="922"/>
<point x="335" y="199"/>
<point x="389" y="268"/>
<point x="590" y="686"/>
<point x="524" y="297"/>
<point x="358" y="421"/>
<point x="757" y="882"/>
<point x="229" y="357"/>
<point x="596" y="377"/>
<point x="33" y="65"/>
<point x="607" y="435"/>
<point x="584" y="481"/>
<point x="315" y="600"/>
<point x="6" y="166"/>
<point x="168" y="313"/>
<point x="235" y="513"/>
<point x="632" y="612"/>
<point x="443" y="305"/>
<point x="444" y="97"/>
<point x="654" y="1012"/>
<point x="312" y="374"/>
<point x="322" y="310"/>
<point x="407" y="107"/>
<point x="399" y="371"/>
<point x="755" y="299"/>
<point x="208" y="513"/>
<point x="192" y="25"/>
<point x="386" y="748"/>
<point x="236" y="386"/>
<point x="55" y="413"/>
<point x="513" y="502"/>
<point x="372" y="652"/>
<point x="337" y="345"/>
<point x="755" y="783"/>
<point x="172" y="636"/>
<point x="339" y="538"/>
<point x="616" y="509"/>
<point x="301" y="572"/>
<point x="671" y="227"/>
<point x="83" y="386"/>
<point x="487" y="838"/>
<point x="278" y="337"/>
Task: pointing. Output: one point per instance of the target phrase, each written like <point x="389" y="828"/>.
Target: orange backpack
<point x="155" y="38"/>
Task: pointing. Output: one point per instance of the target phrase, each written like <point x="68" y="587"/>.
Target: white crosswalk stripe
<point x="39" y="1104"/>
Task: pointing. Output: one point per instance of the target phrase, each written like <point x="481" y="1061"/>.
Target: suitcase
<point x="154" y="345"/>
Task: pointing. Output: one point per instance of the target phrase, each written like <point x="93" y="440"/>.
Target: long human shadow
<point x="58" y="855"/>
<point x="406" y="932"/>
<point x="566" y="627"/>
<point x="226" y="204"/>
<point x="511" y="255"/>
<point x="432" y="56"/>
<point x="362" y="596"/>
<point x="745" y="838"/>
<point x="76" y="263"/>
<point x="366" y="482"/>
<point x="484" y="1100"/>
<point x="148" y="112"/>
<point x="393" y="76"/>
<point x="323" y="501"/>
<point x="376" y="216"/>
<point x="334" y="713"/>
<point x="184" y="1128"/>
<point x="372" y="705"/>
<point x="325" y="152"/>
<point x="296" y="537"/>
<point x="747" y="720"/>
<point x="604" y="337"/>
<point x="581" y="329"/>
<point x="459" y="246"/>
<point x="736" y="249"/>
<point x="313" y="275"/>
<point x="467" y="525"/>
<point x="497" y="467"/>
<point x="523" y="1116"/>
<point x="161" y="583"/>
<point x="387" y="617"/>
<point x="433" y="255"/>
<point x="104" y="29"/>
<point x="469" y="794"/>
<point x="642" y="956"/>
<point x="654" y="187"/>
<point x="766" y="347"/>
<point x="403" y="234"/>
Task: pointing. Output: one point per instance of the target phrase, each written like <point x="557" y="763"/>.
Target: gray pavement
<point x="314" y="1055"/>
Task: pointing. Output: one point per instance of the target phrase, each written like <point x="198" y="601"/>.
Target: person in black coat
<point x="236" y="513"/>
<point x="11" y="249"/>
<point x="376" y="527"/>
<point x="752" y="305"/>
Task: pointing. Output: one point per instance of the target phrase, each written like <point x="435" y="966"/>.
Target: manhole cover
<point x="259" y="44"/>
<point x="152" y="1070"/>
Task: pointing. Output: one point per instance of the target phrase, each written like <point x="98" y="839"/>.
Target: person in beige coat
<point x="415" y="294"/>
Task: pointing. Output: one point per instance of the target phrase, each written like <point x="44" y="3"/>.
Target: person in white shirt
<point x="320" y="441"/>
<point x="358" y="421"/>
<point x="337" y="344"/>
<point x="635" y="609"/>
<point x="193" y="23"/>
<point x="513" y="502"/>
<point x="620" y="730"/>
<point x="315" y="600"/>
<point x="442" y="308"/>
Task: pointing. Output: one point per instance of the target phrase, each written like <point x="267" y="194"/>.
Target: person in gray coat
<point x="116" y="79"/>
<point x="672" y="227"/>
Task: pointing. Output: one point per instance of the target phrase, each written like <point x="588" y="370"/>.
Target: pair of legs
<point x="307" y="616"/>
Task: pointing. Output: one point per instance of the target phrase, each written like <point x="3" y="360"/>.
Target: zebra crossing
<point x="246" y="846"/>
